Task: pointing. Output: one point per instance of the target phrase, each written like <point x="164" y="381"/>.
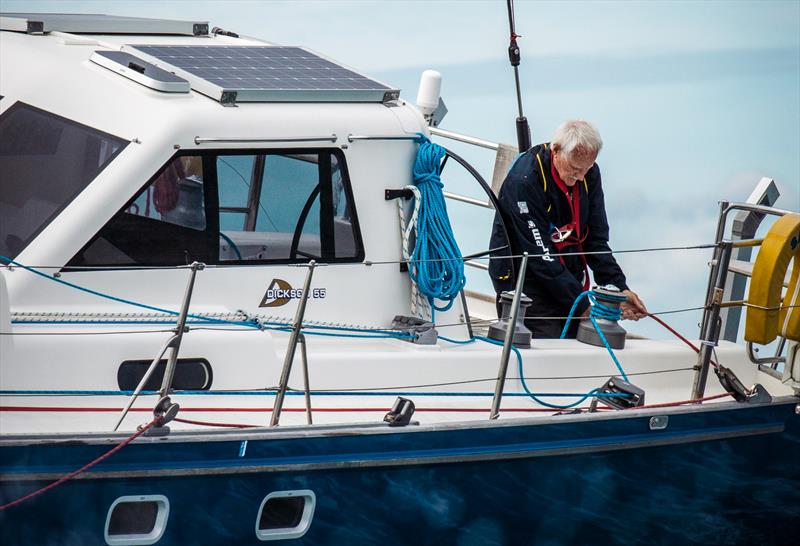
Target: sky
<point x="695" y="101"/>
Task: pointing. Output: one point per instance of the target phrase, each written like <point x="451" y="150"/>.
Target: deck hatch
<point x="264" y="74"/>
<point x="140" y="71"/>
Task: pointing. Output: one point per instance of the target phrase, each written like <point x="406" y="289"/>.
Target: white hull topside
<point x="64" y="377"/>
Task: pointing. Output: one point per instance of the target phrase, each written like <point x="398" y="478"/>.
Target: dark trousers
<point x="545" y="328"/>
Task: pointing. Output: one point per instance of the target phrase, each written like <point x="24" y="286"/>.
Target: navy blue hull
<point x="719" y="477"/>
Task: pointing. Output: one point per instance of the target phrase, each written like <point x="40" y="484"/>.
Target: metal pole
<point x="712" y="274"/>
<point x="144" y="379"/>
<point x="301" y="339"/>
<point x="464" y="138"/>
<point x="501" y="372"/>
<point x="166" y="384"/>
<point x="468" y="200"/>
<point x="246" y="140"/>
<point x="744" y="226"/>
<point x="710" y="334"/>
<point x="290" y="350"/>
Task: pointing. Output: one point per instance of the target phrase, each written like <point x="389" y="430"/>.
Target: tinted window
<point x="165" y="224"/>
<point x="281" y="513"/>
<point x="45" y="161"/>
<point x="175" y="196"/>
<point x="133" y="518"/>
<point x="284" y="207"/>
<point x="235" y="207"/>
<point x="190" y="374"/>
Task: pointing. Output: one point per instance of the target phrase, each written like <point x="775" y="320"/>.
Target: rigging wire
<point x="224" y="328"/>
<point x="11" y="264"/>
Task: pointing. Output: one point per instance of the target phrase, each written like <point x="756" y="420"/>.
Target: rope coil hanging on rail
<point x="436" y="265"/>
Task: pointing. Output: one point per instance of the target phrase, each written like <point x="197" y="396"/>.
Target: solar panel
<point x="265" y="74"/>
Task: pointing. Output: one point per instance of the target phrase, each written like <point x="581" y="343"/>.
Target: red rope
<point x="683" y="402"/>
<point x="679" y="336"/>
<point x="85" y="467"/>
<point x="208" y="424"/>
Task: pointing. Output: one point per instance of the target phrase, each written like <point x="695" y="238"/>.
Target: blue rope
<point x="533" y="396"/>
<point x="197" y="319"/>
<point x="233" y="245"/>
<point x="366" y="334"/>
<point x="598" y="310"/>
<point x="437" y="266"/>
<point x="122" y="300"/>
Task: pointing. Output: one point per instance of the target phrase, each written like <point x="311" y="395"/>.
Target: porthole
<point x="136" y="520"/>
<point x="191" y="374"/>
<point x="285" y="515"/>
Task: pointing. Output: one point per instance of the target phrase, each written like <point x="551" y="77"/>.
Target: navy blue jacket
<point x="532" y="207"/>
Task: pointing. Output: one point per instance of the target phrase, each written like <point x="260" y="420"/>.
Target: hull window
<point x="135" y="520"/>
<point x="191" y="374"/>
<point x="285" y="515"/>
<point x="45" y="161"/>
<point x="235" y="207"/>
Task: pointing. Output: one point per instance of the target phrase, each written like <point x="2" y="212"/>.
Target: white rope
<point x="420" y="307"/>
<point x="34" y="317"/>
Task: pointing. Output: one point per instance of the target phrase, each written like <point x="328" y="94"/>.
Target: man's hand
<point x="633" y="308"/>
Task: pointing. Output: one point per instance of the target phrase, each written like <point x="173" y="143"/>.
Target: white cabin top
<point x="52" y="73"/>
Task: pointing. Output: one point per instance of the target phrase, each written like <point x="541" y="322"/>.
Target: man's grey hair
<point x="577" y="135"/>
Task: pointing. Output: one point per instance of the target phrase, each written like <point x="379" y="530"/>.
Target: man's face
<point x="573" y="167"/>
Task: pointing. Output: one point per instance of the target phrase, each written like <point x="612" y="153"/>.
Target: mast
<point x="523" y="129"/>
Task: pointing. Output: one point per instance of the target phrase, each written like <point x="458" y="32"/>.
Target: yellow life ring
<point x="770" y="315"/>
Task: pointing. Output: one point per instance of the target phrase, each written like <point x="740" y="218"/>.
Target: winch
<point x="603" y="317"/>
<point x="497" y="330"/>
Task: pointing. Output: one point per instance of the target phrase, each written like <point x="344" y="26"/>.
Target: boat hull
<point x="720" y="474"/>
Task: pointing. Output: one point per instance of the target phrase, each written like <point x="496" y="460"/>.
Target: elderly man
<point x="552" y="200"/>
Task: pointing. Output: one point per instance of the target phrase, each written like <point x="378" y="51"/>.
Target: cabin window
<point x="235" y="207"/>
<point x="45" y="161"/>
<point x="191" y="374"/>
<point x="284" y="207"/>
<point x="285" y="515"/>
<point x="137" y="519"/>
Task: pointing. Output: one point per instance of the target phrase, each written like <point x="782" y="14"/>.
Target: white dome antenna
<point x="429" y="99"/>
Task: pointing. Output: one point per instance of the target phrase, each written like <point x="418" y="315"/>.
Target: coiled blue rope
<point x="598" y="310"/>
<point x="437" y="266"/>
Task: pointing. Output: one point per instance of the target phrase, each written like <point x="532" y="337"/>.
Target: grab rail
<point x="464" y="138"/>
<point x="290" y="350"/>
<point x="164" y="405"/>
<point x="711" y="326"/>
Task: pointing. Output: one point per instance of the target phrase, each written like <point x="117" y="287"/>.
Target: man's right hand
<point x="633" y="308"/>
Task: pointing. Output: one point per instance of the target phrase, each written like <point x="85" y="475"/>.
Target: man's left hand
<point x="633" y="308"/>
